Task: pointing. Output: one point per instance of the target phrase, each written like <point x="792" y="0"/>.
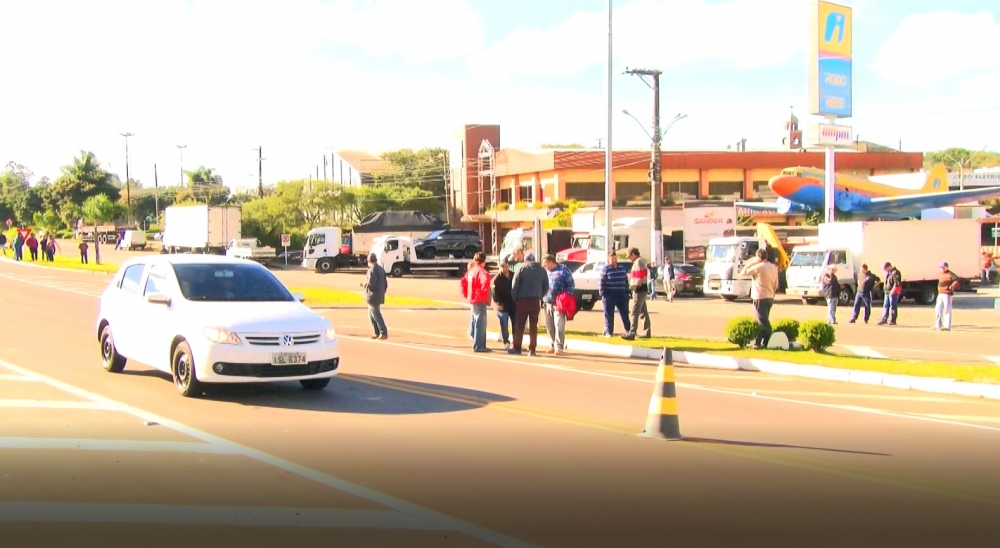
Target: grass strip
<point x="979" y="373"/>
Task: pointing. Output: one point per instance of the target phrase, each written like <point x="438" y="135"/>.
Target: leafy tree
<point x="425" y="169"/>
<point x="956" y="157"/>
<point x="98" y="210"/>
<point x="47" y="221"/>
<point x="81" y="180"/>
<point x="203" y="176"/>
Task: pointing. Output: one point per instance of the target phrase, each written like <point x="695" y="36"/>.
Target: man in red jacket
<point x="476" y="290"/>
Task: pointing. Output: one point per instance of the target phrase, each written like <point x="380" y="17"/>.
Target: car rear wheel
<point x="315" y="384"/>
<point x="112" y="360"/>
<point x="429" y="253"/>
<point x="185" y="377"/>
<point x="470" y="252"/>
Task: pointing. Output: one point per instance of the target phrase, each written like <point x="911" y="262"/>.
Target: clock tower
<point x="793" y="135"/>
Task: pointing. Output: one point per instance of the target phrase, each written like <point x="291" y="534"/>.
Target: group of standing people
<point x="25" y="238"/>
<point x="620" y="288"/>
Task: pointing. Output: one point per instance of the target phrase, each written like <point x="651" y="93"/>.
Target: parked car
<point x="449" y="242"/>
<point x="587" y="281"/>
<point x="688" y="280"/>
<point x="213" y="319"/>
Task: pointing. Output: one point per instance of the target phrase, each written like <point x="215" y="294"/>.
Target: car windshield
<point x="688" y="269"/>
<point x="229" y="282"/>
<point x="434" y="235"/>
<point x="720" y="253"/>
<point x="808" y="258"/>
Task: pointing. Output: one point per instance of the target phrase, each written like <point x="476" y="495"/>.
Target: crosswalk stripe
<point x="864" y="351"/>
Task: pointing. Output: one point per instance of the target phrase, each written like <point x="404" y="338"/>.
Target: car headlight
<point x="330" y="334"/>
<point x="221" y="336"/>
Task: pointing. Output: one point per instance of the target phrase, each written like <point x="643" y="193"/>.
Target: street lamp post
<point x="656" y="215"/>
<point x="961" y="165"/>
<point x="180" y="148"/>
<point x="128" y="193"/>
<point x="608" y="164"/>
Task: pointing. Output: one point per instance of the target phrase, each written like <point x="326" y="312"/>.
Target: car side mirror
<point x="158" y="298"/>
<point x="299" y="297"/>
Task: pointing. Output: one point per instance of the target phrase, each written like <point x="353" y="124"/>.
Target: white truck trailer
<point x="200" y="228"/>
<point x="916" y="248"/>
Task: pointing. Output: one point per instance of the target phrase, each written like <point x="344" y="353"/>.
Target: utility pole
<point x="324" y="167"/>
<point x="609" y="242"/>
<point x="156" y="196"/>
<point x="128" y="193"/>
<point x="654" y="168"/>
<point x="260" y="171"/>
<point x="447" y="188"/>
<point x="180" y="149"/>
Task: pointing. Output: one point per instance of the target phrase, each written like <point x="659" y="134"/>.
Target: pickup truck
<point x="587" y="281"/>
<point x="250" y="248"/>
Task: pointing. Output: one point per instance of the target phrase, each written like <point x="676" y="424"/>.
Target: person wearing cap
<point x="504" y="300"/>
<point x="376" y="285"/>
<point x="948" y="282"/>
<point x="560" y="281"/>
<point x="613" y="289"/>
<point x="893" y="288"/>
<point x="476" y="290"/>
<point x="829" y="286"/>
<point x="639" y="287"/>
<point x="531" y="283"/>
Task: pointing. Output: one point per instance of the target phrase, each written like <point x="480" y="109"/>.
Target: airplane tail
<point x="937" y="180"/>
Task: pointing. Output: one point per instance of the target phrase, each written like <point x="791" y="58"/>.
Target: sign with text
<point x="704" y="220"/>
<point x="831" y="135"/>
<point x="830" y="60"/>
<point x="286" y="240"/>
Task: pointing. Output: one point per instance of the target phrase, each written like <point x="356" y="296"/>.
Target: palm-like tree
<point x="100" y="210"/>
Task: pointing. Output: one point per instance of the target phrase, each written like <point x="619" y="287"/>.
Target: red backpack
<point x="566" y="303"/>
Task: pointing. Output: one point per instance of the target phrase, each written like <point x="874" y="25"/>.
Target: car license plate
<point x="713" y="285"/>
<point x="288" y="358"/>
<point x="587" y="297"/>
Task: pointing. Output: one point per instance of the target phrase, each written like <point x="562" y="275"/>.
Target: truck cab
<point x="726" y="257"/>
<point x="808" y="264"/>
<point x="322" y="248"/>
<point x="398" y="256"/>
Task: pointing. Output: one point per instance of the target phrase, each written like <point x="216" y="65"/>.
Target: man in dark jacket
<point x="375" y="287"/>
<point x="893" y="288"/>
<point x="830" y="287"/>
<point x="866" y="285"/>
<point x="531" y="283"/>
<point x="503" y="299"/>
<point x="613" y="289"/>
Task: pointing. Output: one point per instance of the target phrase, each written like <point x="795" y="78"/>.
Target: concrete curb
<point x="711" y="361"/>
<point x="363" y="307"/>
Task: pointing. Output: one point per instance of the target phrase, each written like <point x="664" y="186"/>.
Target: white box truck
<point x="916" y="248"/>
<point x="200" y="228"/>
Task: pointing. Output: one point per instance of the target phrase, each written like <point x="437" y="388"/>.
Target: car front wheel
<point x="112" y="360"/>
<point x="315" y="384"/>
<point x="185" y="377"/>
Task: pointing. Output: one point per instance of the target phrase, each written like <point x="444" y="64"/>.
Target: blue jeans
<point x="889" y="308"/>
<point x="479" y="326"/>
<point x="505" y="316"/>
<point x="831" y="307"/>
<point x="862" y="301"/>
<point x="611" y="304"/>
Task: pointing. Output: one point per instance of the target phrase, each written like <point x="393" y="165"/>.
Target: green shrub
<point x="153" y="229"/>
<point x="742" y="330"/>
<point x="787" y="326"/>
<point x="817" y="336"/>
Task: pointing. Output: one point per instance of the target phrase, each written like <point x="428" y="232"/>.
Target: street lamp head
<point x="626" y="112"/>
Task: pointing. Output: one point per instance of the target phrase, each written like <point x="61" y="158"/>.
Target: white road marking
<point x="16" y="378"/>
<point x="59" y="404"/>
<point x="86" y="444"/>
<point x="530" y="362"/>
<point x="994" y="359"/>
<point x="962" y="417"/>
<point x="864" y="351"/>
<point x="426" y="334"/>
<point x="210" y="515"/>
<point x="859" y="396"/>
<point x="441" y="520"/>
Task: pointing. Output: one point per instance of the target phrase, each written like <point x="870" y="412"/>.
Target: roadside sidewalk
<point x="711" y="361"/>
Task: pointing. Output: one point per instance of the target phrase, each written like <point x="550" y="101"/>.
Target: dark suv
<point x="449" y="242"/>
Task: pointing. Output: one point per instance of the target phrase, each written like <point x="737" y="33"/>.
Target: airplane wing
<point x="916" y="202"/>
<point x="782" y="207"/>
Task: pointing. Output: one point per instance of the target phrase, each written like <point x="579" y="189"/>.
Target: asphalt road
<point x="421" y="442"/>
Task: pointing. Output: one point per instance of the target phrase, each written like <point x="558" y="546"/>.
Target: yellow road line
<point x="815" y="465"/>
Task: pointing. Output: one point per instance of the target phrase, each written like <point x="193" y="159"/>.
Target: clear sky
<point x="304" y="77"/>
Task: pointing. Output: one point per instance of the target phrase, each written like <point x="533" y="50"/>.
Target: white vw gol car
<point x="206" y="318"/>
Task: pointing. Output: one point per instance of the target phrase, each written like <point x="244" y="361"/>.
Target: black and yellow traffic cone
<point x="662" y="421"/>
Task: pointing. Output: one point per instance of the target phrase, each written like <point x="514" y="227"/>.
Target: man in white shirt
<point x="765" y="285"/>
